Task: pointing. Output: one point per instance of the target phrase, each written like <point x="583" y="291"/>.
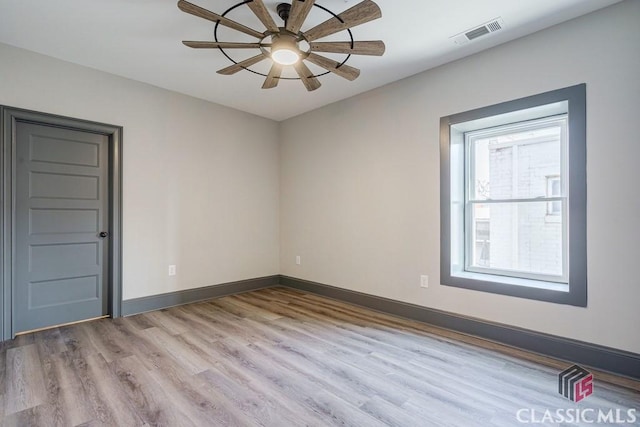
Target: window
<point x="513" y="198"/>
<point x="506" y="195"/>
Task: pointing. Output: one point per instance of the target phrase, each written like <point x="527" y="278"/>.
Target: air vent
<point x="476" y="32"/>
<point x="494" y="26"/>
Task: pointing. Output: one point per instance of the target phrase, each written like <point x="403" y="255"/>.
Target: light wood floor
<point x="274" y="357"/>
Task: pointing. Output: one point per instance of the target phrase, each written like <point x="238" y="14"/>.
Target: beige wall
<point x="360" y="178"/>
<point x="200" y="180"/>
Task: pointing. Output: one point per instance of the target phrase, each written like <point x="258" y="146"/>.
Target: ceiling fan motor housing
<point x="283" y="10"/>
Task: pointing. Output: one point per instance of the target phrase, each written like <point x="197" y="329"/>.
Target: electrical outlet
<point x="298" y="260"/>
<point x="424" y="281"/>
<point x="172" y="270"/>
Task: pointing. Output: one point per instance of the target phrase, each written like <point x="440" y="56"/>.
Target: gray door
<point x="61" y="196"/>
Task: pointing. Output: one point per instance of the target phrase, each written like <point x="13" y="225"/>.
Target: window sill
<point x="513" y="281"/>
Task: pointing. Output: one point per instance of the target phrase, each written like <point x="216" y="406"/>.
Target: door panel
<point x="63" y="259"/>
<point x="61" y="206"/>
<point x="50" y="293"/>
<point x="61" y="221"/>
<point x="61" y="186"/>
<point x="64" y="151"/>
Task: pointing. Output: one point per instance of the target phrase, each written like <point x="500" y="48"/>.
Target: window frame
<point x="470" y="199"/>
<point x="452" y="270"/>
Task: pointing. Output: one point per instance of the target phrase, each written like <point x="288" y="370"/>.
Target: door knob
<point x="103" y="234"/>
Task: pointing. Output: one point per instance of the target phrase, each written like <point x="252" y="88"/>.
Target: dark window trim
<point x="577" y="294"/>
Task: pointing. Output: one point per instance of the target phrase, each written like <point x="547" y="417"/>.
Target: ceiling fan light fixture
<point x="285" y="56"/>
<point x="284" y="49"/>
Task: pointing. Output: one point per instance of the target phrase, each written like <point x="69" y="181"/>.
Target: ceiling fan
<point x="288" y="45"/>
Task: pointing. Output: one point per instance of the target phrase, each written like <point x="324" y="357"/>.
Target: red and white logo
<point x="575" y="383"/>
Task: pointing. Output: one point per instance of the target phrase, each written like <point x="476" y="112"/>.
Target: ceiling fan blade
<point x="273" y="78"/>
<point x="344" y="71"/>
<point x="241" y="65"/>
<point x="222" y="45"/>
<point x="299" y="11"/>
<point x="374" y="47"/>
<point x="260" y="10"/>
<point x="310" y="82"/>
<point x="200" y="12"/>
<point x="359" y="14"/>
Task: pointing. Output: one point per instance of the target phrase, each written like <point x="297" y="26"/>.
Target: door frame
<point x="9" y="116"/>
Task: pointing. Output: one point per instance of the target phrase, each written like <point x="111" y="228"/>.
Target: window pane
<point x="516" y="237"/>
<point x="516" y="164"/>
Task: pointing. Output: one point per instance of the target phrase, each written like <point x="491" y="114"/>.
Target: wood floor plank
<point x="57" y="401"/>
<point x="262" y="388"/>
<point x="256" y="311"/>
<point x="297" y="390"/>
<point x="104" y="339"/>
<point x="50" y="341"/>
<point x="27" y="417"/>
<point x="200" y="407"/>
<point x="24" y="387"/>
<point x="227" y="321"/>
<point x="178" y="350"/>
<point x="326" y="333"/>
<point x="259" y="407"/>
<point x="257" y="387"/>
<point x="150" y="352"/>
<point x="147" y="398"/>
<point x="164" y="320"/>
<point x="349" y="379"/>
<point x="202" y="325"/>
<point x="387" y="413"/>
<point x="102" y="393"/>
<point x="356" y="394"/>
<point x="277" y="357"/>
<point x="434" y="411"/>
<point x="341" y="413"/>
<point x="227" y="306"/>
<point x="65" y="390"/>
<point x="139" y="321"/>
<point x="267" y="303"/>
<point x="222" y="324"/>
<point x="77" y="341"/>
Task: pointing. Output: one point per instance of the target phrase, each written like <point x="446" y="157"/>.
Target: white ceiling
<point x="141" y="40"/>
